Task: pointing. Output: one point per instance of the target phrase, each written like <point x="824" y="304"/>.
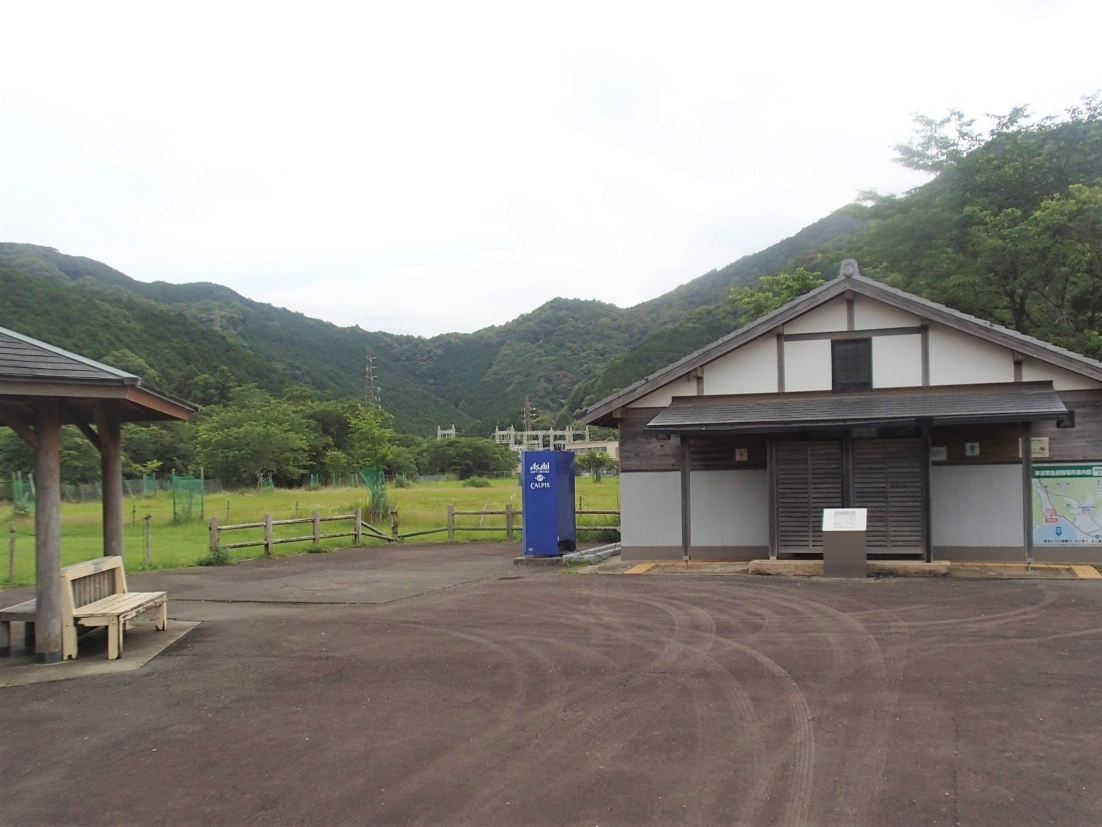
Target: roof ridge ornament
<point x="849" y="268"/>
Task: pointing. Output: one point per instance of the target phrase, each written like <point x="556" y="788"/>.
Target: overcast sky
<point x="429" y="168"/>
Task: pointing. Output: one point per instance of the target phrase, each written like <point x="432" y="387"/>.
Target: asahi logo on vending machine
<point x="540" y="470"/>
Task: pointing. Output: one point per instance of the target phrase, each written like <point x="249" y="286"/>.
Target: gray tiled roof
<point x="22" y="357"/>
<point x="940" y="405"/>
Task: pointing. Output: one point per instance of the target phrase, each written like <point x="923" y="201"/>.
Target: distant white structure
<point x="570" y="439"/>
<point x="445" y="433"/>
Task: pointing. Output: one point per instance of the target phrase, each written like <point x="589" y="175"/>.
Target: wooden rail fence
<point x="359" y="527"/>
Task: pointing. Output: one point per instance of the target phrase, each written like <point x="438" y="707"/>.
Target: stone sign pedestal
<point x="844" y="552"/>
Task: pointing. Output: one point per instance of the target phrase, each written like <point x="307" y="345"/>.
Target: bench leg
<point x="69" y="640"/>
<point x="28" y="635"/>
<point x="114" y="639"/>
<point x="162" y="617"/>
<point x="5" y="638"/>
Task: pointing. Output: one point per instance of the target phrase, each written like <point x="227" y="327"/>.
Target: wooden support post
<point x="927" y="510"/>
<point x="110" y="445"/>
<point x="1027" y="491"/>
<point x="394" y="521"/>
<point x="213" y="528"/>
<point x="451" y="523"/>
<point x="268" y="535"/>
<point x="47" y="530"/>
<point x="148" y="537"/>
<point x="771" y="477"/>
<point x="509" y="520"/>
<point x="358" y="528"/>
<point x="11" y="551"/>
<point x="316" y="517"/>
<point x="686" y="501"/>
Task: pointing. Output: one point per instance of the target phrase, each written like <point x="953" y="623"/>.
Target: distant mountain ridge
<point x="476" y="380"/>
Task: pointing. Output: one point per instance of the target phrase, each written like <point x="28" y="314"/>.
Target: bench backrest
<point x="93" y="580"/>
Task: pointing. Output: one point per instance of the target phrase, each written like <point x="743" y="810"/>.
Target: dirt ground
<point x="443" y="685"/>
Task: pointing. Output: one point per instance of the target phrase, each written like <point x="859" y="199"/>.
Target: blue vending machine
<point x="548" y="503"/>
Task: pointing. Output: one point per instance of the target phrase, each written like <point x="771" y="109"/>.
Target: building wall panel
<point x="870" y="314"/>
<point x="961" y="359"/>
<point x="897" y="361"/>
<point x="751" y="368"/>
<point x="650" y="509"/>
<point x="730" y="508"/>
<point x="1034" y="370"/>
<point x="807" y="366"/>
<point x="976" y="506"/>
<point x="824" y="319"/>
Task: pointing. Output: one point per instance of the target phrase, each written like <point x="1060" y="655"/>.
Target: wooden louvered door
<point x="809" y="479"/>
<point x="887" y="480"/>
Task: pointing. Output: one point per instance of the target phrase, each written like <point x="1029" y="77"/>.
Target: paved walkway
<point x="443" y="685"/>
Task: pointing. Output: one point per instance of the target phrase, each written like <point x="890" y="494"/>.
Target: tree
<point x="255" y="435"/>
<point x="773" y="292"/>
<point x="470" y="456"/>
<point x="597" y="463"/>
<point x="369" y="437"/>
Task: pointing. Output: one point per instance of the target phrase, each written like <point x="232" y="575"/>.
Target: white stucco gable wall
<point x="751" y="368"/>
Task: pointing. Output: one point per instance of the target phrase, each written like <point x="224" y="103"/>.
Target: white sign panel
<point x="845" y="519"/>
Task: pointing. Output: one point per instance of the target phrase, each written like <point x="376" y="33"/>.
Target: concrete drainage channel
<point x="586" y="557"/>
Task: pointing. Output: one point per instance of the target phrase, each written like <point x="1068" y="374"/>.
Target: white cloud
<point x="422" y="168"/>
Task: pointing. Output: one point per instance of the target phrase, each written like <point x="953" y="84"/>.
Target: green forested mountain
<point x="200" y="339"/>
<point x="1009" y="229"/>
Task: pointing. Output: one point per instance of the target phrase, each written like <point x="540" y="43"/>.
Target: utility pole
<point x="529" y="413"/>
<point x="371" y="390"/>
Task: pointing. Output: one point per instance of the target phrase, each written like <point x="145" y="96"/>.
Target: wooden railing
<point x="359" y="527"/>
<point x="315" y="536"/>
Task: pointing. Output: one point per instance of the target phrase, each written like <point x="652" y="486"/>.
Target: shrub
<point x="476" y="482"/>
<point x="401" y="481"/>
<point x="218" y="557"/>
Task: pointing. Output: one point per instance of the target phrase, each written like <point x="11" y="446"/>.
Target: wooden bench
<point x="92" y="594"/>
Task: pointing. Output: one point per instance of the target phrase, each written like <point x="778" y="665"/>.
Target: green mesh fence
<point x="22" y="492"/>
<point x="314" y="485"/>
<point x="149" y="485"/>
<point x="187" y="499"/>
<point x="266" y="482"/>
<point x="379" y="507"/>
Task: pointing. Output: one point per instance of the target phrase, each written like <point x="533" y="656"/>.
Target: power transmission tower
<point x="371" y="390"/>
<point x="529" y="413"/>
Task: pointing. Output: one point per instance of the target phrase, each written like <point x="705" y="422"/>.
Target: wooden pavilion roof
<point x="31" y="370"/>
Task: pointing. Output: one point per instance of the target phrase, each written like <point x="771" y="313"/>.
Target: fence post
<point x="134" y="515"/>
<point x="11" y="551"/>
<point x="268" y="535"/>
<point x="148" y="555"/>
<point x="316" y="516"/>
<point x="508" y="522"/>
<point x="451" y="523"/>
<point x="358" y="528"/>
<point x="227" y="512"/>
<point x="394" y="521"/>
<point x="213" y="534"/>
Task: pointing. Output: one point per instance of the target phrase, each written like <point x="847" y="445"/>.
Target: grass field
<point x="173" y="545"/>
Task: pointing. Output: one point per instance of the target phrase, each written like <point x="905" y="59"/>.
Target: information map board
<point x="1067" y="505"/>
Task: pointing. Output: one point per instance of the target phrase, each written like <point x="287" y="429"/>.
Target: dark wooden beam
<point x="25" y="432"/>
<point x="1027" y="490"/>
<point x="686" y="500"/>
<point x="780" y="363"/>
<point x="90" y="435"/>
<point x="871" y="333"/>
<point x="771" y="475"/>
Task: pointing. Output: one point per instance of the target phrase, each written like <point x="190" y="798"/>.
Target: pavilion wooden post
<point x="110" y="446"/>
<point x="47" y="530"/>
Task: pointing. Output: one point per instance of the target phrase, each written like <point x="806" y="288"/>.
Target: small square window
<point x="851" y="362"/>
